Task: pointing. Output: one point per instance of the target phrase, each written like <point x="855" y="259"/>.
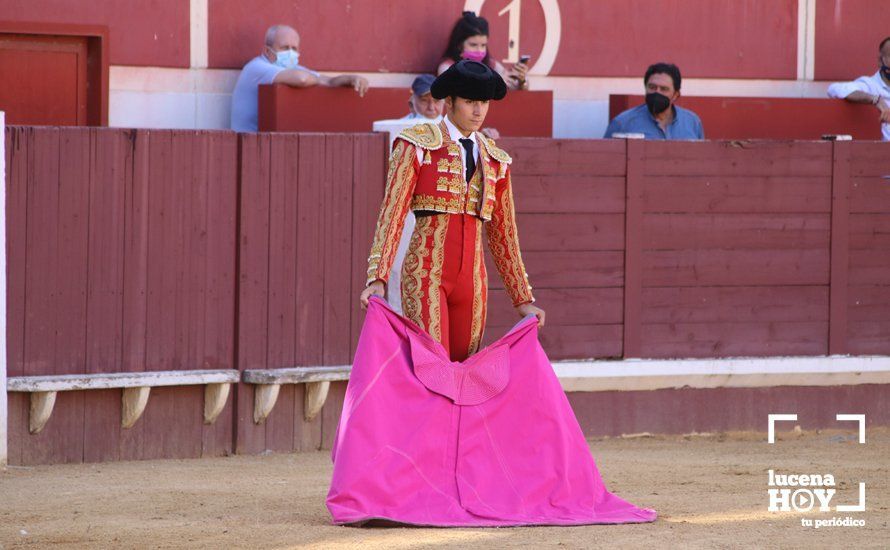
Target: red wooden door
<point x="44" y="79"/>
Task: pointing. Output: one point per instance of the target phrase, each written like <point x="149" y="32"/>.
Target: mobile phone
<point x="524" y="58"/>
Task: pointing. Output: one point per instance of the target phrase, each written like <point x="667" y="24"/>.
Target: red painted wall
<point x="141" y="32"/>
<point x="756" y="38"/>
<point x="719" y="39"/>
<point x="705" y="38"/>
<point x="847" y="36"/>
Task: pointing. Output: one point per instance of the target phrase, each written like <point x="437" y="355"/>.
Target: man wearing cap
<point x="455" y="180"/>
<point x="422" y="104"/>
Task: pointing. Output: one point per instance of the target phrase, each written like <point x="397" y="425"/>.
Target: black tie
<point x="471" y="159"/>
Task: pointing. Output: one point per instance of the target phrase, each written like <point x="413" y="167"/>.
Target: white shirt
<point x="456" y="136"/>
<point x="873" y="84"/>
<point x="245" y="108"/>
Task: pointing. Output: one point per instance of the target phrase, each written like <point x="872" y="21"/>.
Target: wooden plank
<point x="868" y="319"/>
<point x="137" y="185"/>
<point x="571" y="232"/>
<point x="62" y="439"/>
<point x="868" y="268"/>
<point x="163" y="240"/>
<point x="571" y="306"/>
<point x="196" y="228"/>
<point x="870" y="194"/>
<point x="106" y="242"/>
<point x="747" y="193"/>
<point x="104" y="336"/>
<point x="572" y="341"/>
<point x="179" y="203"/>
<point x="137" y="206"/>
<point x="561" y="269"/>
<point x="307" y="435"/>
<point x="171" y="316"/>
<point x="754" y="339"/>
<point x="42" y="253"/>
<point x="735" y="267"/>
<point x="18" y="407"/>
<point x="735" y="304"/>
<point x="338" y="301"/>
<point x="535" y="156"/>
<point x="868" y="303"/>
<point x="869" y="337"/>
<point x="870" y="231"/>
<point x="310" y="250"/>
<point x="736" y="231"/>
<point x="634" y="265"/>
<point x="99" y="381"/>
<point x="562" y="194"/>
<point x="173" y="420"/>
<point x="369" y="178"/>
<point x="253" y="264"/>
<point x="280" y="422"/>
<point x="330" y="414"/>
<point x="19" y="148"/>
<point x="283" y="189"/>
<point x="297" y="375"/>
<point x="102" y="426"/>
<point x="840" y="249"/>
<point x="219" y="279"/>
<point x="869" y="158"/>
<point x="737" y="158"/>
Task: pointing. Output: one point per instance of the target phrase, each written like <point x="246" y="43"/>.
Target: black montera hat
<point x="469" y="80"/>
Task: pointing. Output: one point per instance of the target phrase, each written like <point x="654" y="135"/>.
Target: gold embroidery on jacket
<point x="479" y="286"/>
<point x="451" y="184"/>
<point x="413" y="271"/>
<point x="437" y="261"/>
<point x="425" y="135"/>
<point x="450" y="166"/>
<point x="450" y="205"/>
<point x="503" y="240"/>
<point x="400" y="183"/>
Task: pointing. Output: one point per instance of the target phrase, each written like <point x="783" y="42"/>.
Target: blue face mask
<point x="288" y="59"/>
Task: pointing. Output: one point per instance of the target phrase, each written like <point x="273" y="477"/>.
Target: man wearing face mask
<point x="874" y="89"/>
<point x="279" y="63"/>
<point x="659" y="118"/>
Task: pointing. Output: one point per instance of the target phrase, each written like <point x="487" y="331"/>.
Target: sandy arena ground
<point x="709" y="490"/>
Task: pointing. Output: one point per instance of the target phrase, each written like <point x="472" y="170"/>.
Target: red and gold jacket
<point x="437" y="184"/>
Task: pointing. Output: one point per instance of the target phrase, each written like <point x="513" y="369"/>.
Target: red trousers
<point x="444" y="283"/>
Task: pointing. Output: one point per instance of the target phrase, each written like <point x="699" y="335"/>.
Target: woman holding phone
<point x="469" y="40"/>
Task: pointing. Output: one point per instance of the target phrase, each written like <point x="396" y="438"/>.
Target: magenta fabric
<point x="491" y="441"/>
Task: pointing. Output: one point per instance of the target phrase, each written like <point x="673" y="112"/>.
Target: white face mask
<point x="288" y="59"/>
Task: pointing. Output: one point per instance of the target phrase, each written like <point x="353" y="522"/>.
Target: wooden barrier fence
<point x="145" y="250"/>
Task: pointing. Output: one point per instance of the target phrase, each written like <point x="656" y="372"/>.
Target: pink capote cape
<point x="491" y="441"/>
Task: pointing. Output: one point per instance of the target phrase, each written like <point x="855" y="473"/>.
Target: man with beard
<point x="659" y="118"/>
<point x="874" y="89"/>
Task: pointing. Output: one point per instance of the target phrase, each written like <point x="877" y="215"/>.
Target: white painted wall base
<point x="754" y="372"/>
<point x="148" y="97"/>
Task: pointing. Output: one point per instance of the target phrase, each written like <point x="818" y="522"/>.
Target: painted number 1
<point x="514" y="8"/>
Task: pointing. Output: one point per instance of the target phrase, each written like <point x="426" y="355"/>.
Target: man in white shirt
<point x="279" y="63"/>
<point x="874" y="89"/>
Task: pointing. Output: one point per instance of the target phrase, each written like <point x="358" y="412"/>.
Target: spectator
<point x="279" y="63"/>
<point x="659" y="118"/>
<point x="422" y="104"/>
<point x="469" y="40"/>
<point x="874" y="89"/>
